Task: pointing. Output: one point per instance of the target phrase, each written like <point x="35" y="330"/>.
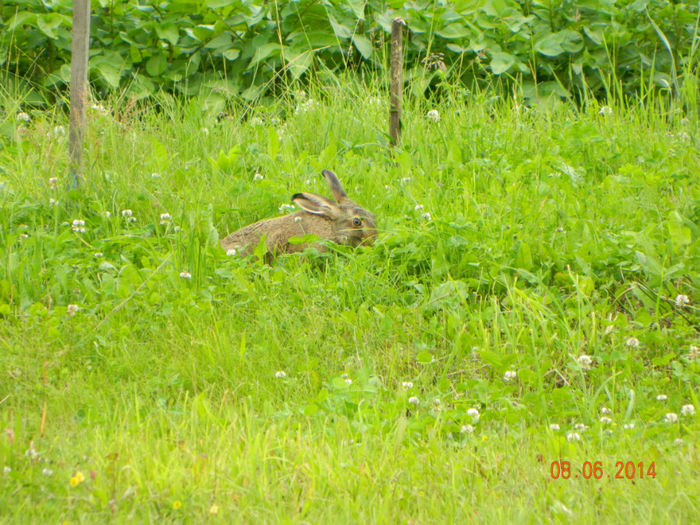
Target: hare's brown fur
<point x="343" y="222"/>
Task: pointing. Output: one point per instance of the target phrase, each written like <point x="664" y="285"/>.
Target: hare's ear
<point x="336" y="188"/>
<point x="316" y="204"/>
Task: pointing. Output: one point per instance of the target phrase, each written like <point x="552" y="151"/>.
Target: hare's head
<point x="353" y="225"/>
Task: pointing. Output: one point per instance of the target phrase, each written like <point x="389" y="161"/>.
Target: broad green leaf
<point x="358" y="8"/>
<point x="501" y="62"/>
<point x="20" y="19"/>
<point x="110" y="74"/>
<point x="47" y="24"/>
<point x="168" y="32"/>
<point x="298" y="63"/>
<point x="231" y="54"/>
<point x="340" y="30"/>
<point x="156" y="65"/>
<point x="363" y="45"/>
<point x="454" y="31"/>
<point x="263" y="52"/>
<point x="218" y="4"/>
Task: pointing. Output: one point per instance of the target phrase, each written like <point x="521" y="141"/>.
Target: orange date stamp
<point x="595" y="470"/>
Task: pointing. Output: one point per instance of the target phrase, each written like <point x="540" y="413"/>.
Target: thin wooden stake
<point x="396" y="87"/>
<point x="78" y="87"/>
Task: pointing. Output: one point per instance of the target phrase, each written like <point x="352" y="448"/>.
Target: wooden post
<point x="396" y="87"/>
<point x="78" y="87"/>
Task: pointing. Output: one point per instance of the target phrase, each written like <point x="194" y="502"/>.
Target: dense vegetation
<point x="531" y="299"/>
<point x="235" y="47"/>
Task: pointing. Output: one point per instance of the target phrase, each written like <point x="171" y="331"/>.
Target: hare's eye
<point x="356" y="221"/>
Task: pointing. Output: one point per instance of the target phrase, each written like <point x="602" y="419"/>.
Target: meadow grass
<point x="555" y="242"/>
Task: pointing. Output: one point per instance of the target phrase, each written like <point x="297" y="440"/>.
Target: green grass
<point x="552" y="233"/>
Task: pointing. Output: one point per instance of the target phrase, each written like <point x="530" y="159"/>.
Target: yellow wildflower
<point x="177" y="504"/>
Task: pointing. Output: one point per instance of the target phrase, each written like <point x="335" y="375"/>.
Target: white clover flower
<point x="418" y="207"/>
<point x="678" y="442"/>
<point x="605" y="110"/>
<point x="466" y="429"/>
<point x="348" y="381"/>
<point x="671" y="417"/>
<point x="280" y="374"/>
<point x="628" y="426"/>
<point x="694" y="352"/>
<point x="284" y="208"/>
<point x="164" y="217"/>
<point x="98" y="254"/>
<point x="47" y="472"/>
<point x="257" y="177"/>
<point x="573" y="436"/>
<point x="426" y="216"/>
<point x="31" y="451"/>
<point x="605" y="410"/>
<point x="297" y="219"/>
<point x="413" y="400"/>
<point x="605" y="420"/>
<point x="72" y="309"/>
<point x="661" y="397"/>
<point x="554" y="426"/>
<point x="231" y="252"/>
<point x="584" y="361"/>
<point x="185" y="275"/>
<point x="510" y="375"/>
<point x="407" y="384"/>
<point x="127" y="213"/>
<point x="474" y="414"/>
<point x="205" y="132"/>
<point x="688" y="410"/>
<point x="155" y="175"/>
<point x="405" y="180"/>
<point x="433" y="115"/>
<point x="53" y="181"/>
<point x="23" y="236"/>
<point x="682" y="300"/>
<point x="59" y="131"/>
<point x="633" y="342"/>
<point x="23" y="117"/>
<point x="53" y="202"/>
<point x="581" y="427"/>
<point x="108" y="214"/>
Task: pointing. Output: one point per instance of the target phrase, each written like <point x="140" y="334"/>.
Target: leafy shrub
<point x="235" y="47"/>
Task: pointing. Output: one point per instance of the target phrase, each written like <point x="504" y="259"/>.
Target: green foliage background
<point x="239" y="47"/>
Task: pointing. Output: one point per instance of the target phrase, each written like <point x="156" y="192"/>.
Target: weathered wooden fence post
<point x="396" y="87"/>
<point x="78" y="87"/>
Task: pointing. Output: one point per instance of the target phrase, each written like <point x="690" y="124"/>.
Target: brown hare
<point x="343" y="222"/>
